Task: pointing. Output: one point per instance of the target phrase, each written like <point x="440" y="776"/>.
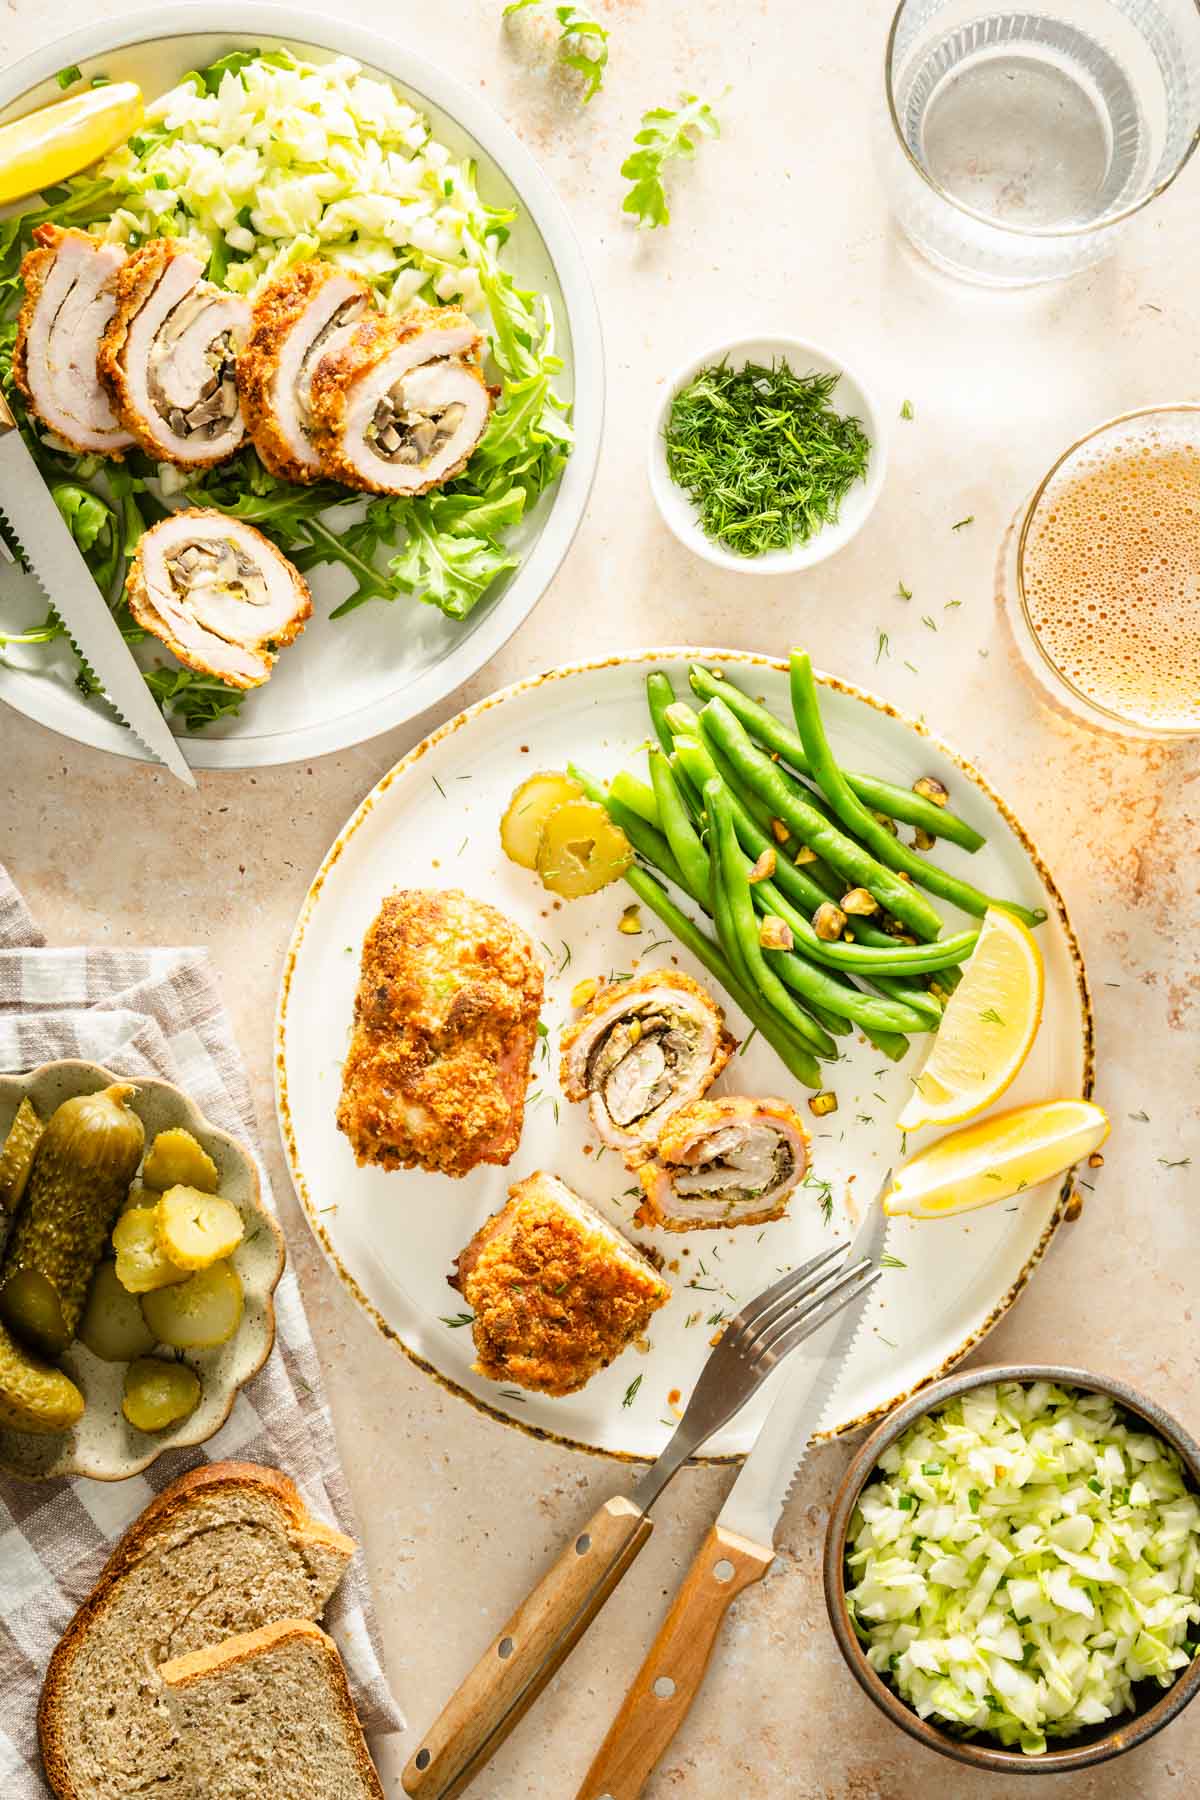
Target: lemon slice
<point x="996" y="1158"/>
<point x="56" y="141"/>
<point x="989" y="1024"/>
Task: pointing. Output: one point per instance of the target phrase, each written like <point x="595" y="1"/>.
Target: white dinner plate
<point x="347" y="679"/>
<point x="392" y="1237"/>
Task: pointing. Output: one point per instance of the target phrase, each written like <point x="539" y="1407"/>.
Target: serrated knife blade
<point x="55" y="558"/>
<point x="757" y="1498"/>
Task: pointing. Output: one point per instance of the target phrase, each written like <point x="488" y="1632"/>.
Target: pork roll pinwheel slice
<point x="399" y="408"/>
<point x="305" y="314"/>
<point x="641" y="1050"/>
<point x="70" y="295"/>
<point x="729" y="1161"/>
<point x="168" y="357"/>
<point x="218" y="594"/>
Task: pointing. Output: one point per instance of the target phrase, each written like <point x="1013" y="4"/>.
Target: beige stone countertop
<point x="781" y="226"/>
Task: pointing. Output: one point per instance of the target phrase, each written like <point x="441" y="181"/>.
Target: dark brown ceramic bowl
<point x="1093" y="1745"/>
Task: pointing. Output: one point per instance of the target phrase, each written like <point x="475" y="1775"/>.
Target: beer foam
<point x="1111" y="571"/>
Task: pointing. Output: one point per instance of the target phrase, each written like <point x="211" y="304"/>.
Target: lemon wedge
<point x="56" y="141"/>
<point x="987" y="1029"/>
<point x="996" y="1158"/>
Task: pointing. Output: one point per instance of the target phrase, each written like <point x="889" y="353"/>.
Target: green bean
<point x="819" y="876"/>
<point x="796" y="1058"/>
<point x="727" y="858"/>
<point x="882" y="796"/>
<point x="678" y="829"/>
<point x="636" y="795"/>
<point x="849" y="859"/>
<point x="874" y="953"/>
<point x="659" y="695"/>
<point x="856" y="818"/>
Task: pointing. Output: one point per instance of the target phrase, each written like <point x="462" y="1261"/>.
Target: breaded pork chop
<point x="556" y="1290"/>
<point x="445" y="1022"/>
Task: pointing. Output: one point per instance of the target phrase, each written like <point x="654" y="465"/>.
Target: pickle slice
<point x="201" y="1313"/>
<point x="112" y="1326"/>
<point x="177" y="1159"/>
<point x="526" y="814"/>
<point x="142" y="1263"/>
<point x="16" y="1158"/>
<point x="581" y="850"/>
<point x="195" y="1229"/>
<point x="158" y="1394"/>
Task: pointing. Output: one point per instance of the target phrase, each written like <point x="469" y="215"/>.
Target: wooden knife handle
<point x="526" y="1652"/>
<point x="669" y="1679"/>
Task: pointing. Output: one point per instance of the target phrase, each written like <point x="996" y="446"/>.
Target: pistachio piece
<point x="829" y="922"/>
<point x="822" y="1103"/>
<point x="774" y="934"/>
<point x="779" y="831"/>
<point x="764" y="868"/>
<point x="930" y="788"/>
<point x="631" y="922"/>
<point x="859" y="900"/>
<point x="922" y="839"/>
<point x="804" y="855"/>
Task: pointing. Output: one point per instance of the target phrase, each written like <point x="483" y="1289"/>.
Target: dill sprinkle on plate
<point x="762" y="455"/>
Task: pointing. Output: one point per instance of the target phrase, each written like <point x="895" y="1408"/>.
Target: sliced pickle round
<point x="112" y="1326"/>
<point x="196" y="1229"/>
<point x="581" y="850"/>
<point x="202" y="1312"/>
<point x="142" y="1263"/>
<point x="175" y="1159"/>
<point x="158" y="1393"/>
<point x="531" y="805"/>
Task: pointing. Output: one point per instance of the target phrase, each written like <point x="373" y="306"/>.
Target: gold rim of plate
<point x="630" y="659"/>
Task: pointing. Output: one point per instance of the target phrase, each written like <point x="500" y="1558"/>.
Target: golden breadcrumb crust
<point x="277" y="310"/>
<point x="35" y="267"/>
<point x="554" y="1298"/>
<point x="336" y="377"/>
<point x="445" y="1022"/>
<point x="678" y="1140"/>
<point x="141" y="603"/>
<point x="135" y="282"/>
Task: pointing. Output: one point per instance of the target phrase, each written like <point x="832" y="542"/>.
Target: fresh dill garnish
<point x="631" y="1391"/>
<point x="903" y="591"/>
<point x="458" y="1319"/>
<point x="991" y="1016"/>
<point x="762" y="455"/>
<point x="888" y="1261"/>
<point x="958" y="525"/>
<point x="906" y="411"/>
<point x="1180" y="1162"/>
<point x="881" y="646"/>
<point x="926" y="620"/>
<point x="1142" y="1117"/>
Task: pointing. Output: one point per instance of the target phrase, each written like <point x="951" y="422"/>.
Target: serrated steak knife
<point x="55" y="558"/>
<point x="737" y="1551"/>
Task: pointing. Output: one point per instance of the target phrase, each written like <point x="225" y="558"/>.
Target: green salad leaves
<point x="666" y="134"/>
<point x="255" y="163"/>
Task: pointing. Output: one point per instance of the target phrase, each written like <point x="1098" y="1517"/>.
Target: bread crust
<point x="186" y="1671"/>
<point x="208" y="1478"/>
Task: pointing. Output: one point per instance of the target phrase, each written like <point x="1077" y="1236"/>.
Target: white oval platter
<point x="432" y="822"/>
<point x="351" y="678"/>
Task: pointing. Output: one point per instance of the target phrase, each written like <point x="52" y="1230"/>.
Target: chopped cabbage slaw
<point x="1022" y="1558"/>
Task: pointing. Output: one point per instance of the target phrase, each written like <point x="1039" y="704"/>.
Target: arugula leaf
<point x="451" y="570"/>
<point x="665" y="134"/>
<point x="199" y="699"/>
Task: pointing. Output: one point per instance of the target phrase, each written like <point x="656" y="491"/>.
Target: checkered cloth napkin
<point x="151" y="1012"/>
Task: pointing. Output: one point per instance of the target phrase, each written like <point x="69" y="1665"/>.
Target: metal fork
<point x="548" y="1624"/>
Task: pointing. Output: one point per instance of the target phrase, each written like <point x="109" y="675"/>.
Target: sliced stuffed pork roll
<point x="642" y="1049"/>
<point x="730" y="1161"/>
<point x="218" y="594"/>
<point x="307" y="313"/>
<point x="168" y="357"/>
<point x="70" y="297"/>
<point x="399" y="408"/>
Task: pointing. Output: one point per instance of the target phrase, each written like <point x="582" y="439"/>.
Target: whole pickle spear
<point x="81" y="1173"/>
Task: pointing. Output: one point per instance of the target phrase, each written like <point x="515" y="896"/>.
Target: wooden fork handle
<point x="669" y="1680"/>
<point x="526" y="1652"/>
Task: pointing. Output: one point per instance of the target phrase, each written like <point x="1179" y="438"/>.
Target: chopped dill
<point x="631" y="1391"/>
<point x="762" y="455"/>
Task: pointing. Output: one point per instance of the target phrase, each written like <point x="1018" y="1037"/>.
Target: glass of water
<point x="1021" y="141"/>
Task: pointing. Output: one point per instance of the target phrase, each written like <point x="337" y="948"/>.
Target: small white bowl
<point x="850" y="396"/>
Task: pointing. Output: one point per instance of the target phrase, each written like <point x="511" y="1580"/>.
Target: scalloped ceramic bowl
<point x="104" y="1445"/>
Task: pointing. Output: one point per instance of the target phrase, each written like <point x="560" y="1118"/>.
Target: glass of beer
<point x="1102" y="576"/>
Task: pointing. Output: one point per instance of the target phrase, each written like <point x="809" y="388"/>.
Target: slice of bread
<point x="269" y="1712"/>
<point x="226" y="1548"/>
